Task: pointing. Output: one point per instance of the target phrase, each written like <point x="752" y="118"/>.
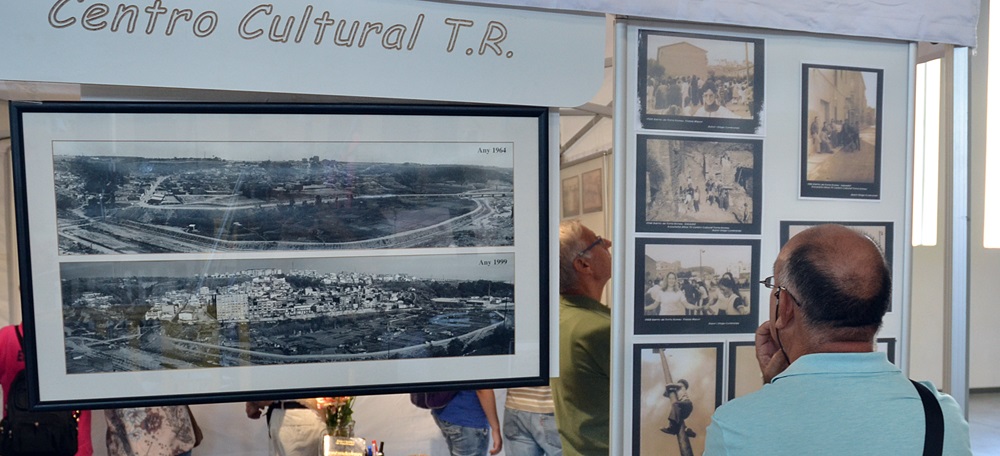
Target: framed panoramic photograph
<point x="182" y="253"/>
<point x="841" y="153"/>
<point x="675" y="390"/>
<point x="707" y="83"/>
<point x="695" y="286"/>
<point x="593" y="191"/>
<point x="571" y="196"/>
<point x="744" y="372"/>
<point x="698" y="185"/>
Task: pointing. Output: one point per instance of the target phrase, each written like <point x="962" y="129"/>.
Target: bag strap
<point x="933" y="421"/>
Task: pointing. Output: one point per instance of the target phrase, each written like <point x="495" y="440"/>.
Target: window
<point x="926" y="147"/>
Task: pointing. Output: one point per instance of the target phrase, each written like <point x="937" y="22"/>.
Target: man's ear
<point x="783" y="314"/>
<point x="581" y="264"/>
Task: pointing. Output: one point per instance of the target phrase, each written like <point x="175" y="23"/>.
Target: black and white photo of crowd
<point x="689" y="82"/>
<point x="699" y="185"/>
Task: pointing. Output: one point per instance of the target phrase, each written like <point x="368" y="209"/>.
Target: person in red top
<point x="12" y="362"/>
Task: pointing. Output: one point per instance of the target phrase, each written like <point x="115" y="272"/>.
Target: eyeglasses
<point x="596" y="242"/>
<point x="769" y="283"/>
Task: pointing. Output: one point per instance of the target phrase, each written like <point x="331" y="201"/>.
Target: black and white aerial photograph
<point x="141" y="316"/>
<point x="123" y="197"/>
<point x="691" y="82"/>
<point x="698" y="185"/>
<point x="695" y="286"/>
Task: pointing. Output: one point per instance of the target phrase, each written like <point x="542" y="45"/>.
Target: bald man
<point x="827" y="390"/>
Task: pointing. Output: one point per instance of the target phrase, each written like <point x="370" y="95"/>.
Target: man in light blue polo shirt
<point x="827" y="390"/>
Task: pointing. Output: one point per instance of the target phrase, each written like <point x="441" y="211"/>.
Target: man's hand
<point x="769" y="355"/>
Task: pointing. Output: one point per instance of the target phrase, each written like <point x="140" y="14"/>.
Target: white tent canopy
<point x="952" y="22"/>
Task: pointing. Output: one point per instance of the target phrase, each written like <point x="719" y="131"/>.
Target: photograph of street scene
<point x="841" y="141"/>
<point x="158" y="315"/>
<point x="676" y="389"/>
<point x="695" y="286"/>
<point x="700" y="82"/>
<point x="698" y="185"/>
<point x="152" y="197"/>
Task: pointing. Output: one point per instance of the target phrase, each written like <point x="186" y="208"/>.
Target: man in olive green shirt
<point x="582" y="392"/>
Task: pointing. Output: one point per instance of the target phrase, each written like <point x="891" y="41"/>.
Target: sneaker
<point x="690" y="433"/>
<point x="670" y="430"/>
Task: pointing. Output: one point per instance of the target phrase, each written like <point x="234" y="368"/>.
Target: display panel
<point x="198" y="252"/>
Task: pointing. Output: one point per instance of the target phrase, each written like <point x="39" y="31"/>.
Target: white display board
<point x="686" y="225"/>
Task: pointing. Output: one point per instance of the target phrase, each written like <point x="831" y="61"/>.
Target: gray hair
<point x="571" y="243"/>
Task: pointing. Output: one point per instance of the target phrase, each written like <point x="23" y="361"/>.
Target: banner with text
<point x="375" y="48"/>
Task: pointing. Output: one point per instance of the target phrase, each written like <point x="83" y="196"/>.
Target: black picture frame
<point x="233" y="318"/>
<point x="700" y="365"/>
<point x="671" y="63"/>
<point x="693" y="262"/>
<point x="888" y="346"/>
<point x="841" y="134"/>
<point x="699" y="185"/>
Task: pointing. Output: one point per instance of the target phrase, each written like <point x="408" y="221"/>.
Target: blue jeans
<point x="462" y="440"/>
<point x="530" y="434"/>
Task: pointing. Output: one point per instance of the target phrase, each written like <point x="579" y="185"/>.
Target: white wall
<point x="928" y="292"/>
<point x="984" y="314"/>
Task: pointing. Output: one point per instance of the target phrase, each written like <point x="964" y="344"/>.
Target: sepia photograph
<point x="186" y="251"/>
<point x="571" y="196"/>
<point x="841" y="135"/>
<point x="593" y="190"/>
<point x="707" y="83"/>
<point x="698" y="185"/>
<point x="676" y="389"/>
<point x="744" y="371"/>
<point x="694" y="286"/>
<point x="879" y="232"/>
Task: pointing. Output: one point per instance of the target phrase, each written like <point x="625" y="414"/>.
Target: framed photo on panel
<point x="698" y="185"/>
<point x="571" y="196"/>
<point x="593" y="190"/>
<point x="879" y="232"/>
<point x="675" y="390"/>
<point x="841" y="154"/>
<point x="887" y="345"/>
<point x="707" y="83"/>
<point x="196" y="252"/>
<point x="695" y="286"/>
<point x="744" y="372"/>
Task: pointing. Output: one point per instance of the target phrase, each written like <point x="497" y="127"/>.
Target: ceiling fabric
<point x="951" y="22"/>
